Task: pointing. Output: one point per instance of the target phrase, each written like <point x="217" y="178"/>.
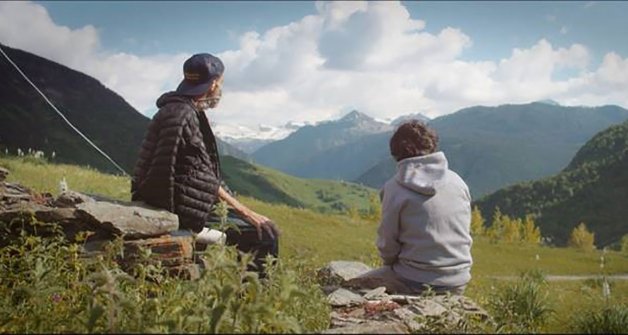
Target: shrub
<point x="521" y="307"/>
<point x="611" y="319"/>
<point x="47" y="286"/>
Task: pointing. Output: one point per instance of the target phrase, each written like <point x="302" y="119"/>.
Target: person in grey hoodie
<point x="424" y="236"/>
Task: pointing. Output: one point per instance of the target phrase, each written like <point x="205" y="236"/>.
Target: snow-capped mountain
<point x="250" y="139"/>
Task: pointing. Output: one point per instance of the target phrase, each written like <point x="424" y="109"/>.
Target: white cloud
<point x="139" y="80"/>
<point x="372" y="56"/>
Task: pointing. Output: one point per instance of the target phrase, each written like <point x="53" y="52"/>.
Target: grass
<point x="311" y="239"/>
<point x="276" y="187"/>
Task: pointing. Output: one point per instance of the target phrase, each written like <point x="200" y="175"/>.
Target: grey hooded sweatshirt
<point x="426" y="216"/>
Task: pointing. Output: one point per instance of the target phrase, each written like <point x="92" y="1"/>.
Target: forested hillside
<point x="593" y="189"/>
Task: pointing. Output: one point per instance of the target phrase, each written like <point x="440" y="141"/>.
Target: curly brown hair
<point x="411" y="139"/>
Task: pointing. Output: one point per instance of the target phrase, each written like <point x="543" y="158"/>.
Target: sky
<point x="310" y="61"/>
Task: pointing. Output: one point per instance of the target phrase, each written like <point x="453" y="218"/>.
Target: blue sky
<point x="310" y="61"/>
<point x="145" y="27"/>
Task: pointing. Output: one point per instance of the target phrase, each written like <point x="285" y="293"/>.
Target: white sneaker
<point x="211" y="236"/>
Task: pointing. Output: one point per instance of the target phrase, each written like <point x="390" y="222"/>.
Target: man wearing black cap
<point x="178" y="168"/>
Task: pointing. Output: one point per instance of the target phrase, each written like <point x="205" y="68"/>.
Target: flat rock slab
<point x="131" y="221"/>
<point x="339" y="272"/>
<point x="344" y="297"/>
<point x="371" y="327"/>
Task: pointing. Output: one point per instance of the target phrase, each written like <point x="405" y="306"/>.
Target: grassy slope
<point x="317" y="238"/>
<point x="273" y="186"/>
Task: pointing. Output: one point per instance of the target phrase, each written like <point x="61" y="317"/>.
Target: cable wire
<point x="63" y="116"/>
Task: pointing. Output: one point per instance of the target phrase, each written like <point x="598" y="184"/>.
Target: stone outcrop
<point x="375" y="311"/>
<point x="142" y="227"/>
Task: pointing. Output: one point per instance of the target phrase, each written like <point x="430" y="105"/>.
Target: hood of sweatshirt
<point x="169" y="97"/>
<point x="422" y="174"/>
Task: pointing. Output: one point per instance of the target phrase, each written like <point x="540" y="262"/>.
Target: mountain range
<point x="490" y="147"/>
<point x="307" y="152"/>
<point x="493" y="147"/>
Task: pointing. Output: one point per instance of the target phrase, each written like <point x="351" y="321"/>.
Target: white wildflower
<point x="63" y="185"/>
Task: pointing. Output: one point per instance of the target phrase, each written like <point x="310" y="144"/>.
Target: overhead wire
<point x="62" y="115"/>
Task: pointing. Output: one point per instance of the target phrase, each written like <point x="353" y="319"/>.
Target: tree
<point x="624" y="244"/>
<point x="477" y="222"/>
<point x="375" y="207"/>
<point x="581" y="238"/>
<point x="353" y="213"/>
<point x="511" y="232"/>
<point x="495" y="231"/>
<point x="530" y="233"/>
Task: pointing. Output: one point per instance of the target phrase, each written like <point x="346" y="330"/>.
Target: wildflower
<point x="56" y="298"/>
<point x="537" y="257"/>
<point x="63" y="185"/>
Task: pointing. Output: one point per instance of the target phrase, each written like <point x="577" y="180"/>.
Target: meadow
<point x="310" y="239"/>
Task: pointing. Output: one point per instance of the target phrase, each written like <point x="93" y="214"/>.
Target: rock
<point x="427" y="307"/>
<point x="170" y="250"/>
<point x="344" y="297"/>
<point x="371" y="327"/>
<point x="131" y="221"/>
<point x="71" y="199"/>
<point x="409" y="319"/>
<point x="339" y="272"/>
<point x="360" y="310"/>
<point x="377" y="294"/>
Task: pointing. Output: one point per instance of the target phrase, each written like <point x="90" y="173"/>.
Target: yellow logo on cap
<point x="191" y="76"/>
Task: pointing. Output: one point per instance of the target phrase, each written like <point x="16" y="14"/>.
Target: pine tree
<point x="530" y="233"/>
<point x="477" y="222"/>
<point x="582" y="238"/>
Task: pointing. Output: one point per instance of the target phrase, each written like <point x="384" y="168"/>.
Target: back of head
<point x="199" y="71"/>
<point x="411" y="139"/>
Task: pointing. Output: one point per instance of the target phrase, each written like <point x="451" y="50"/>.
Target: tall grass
<point x="522" y="307"/>
<point x="47" y="287"/>
<point x="309" y="240"/>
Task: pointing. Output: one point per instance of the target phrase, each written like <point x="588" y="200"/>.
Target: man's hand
<point x="261" y="222"/>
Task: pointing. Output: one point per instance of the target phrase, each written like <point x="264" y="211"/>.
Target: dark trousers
<point x="243" y="236"/>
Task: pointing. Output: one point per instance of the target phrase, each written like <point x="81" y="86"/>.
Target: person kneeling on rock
<point x="424" y="235"/>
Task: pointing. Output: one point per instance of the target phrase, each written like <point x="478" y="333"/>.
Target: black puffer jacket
<point x="178" y="168"/>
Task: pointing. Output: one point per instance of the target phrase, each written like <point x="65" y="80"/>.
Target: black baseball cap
<point x="198" y="73"/>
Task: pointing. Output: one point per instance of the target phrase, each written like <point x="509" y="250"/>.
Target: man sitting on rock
<point x="423" y="238"/>
<point x="178" y="168"/>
